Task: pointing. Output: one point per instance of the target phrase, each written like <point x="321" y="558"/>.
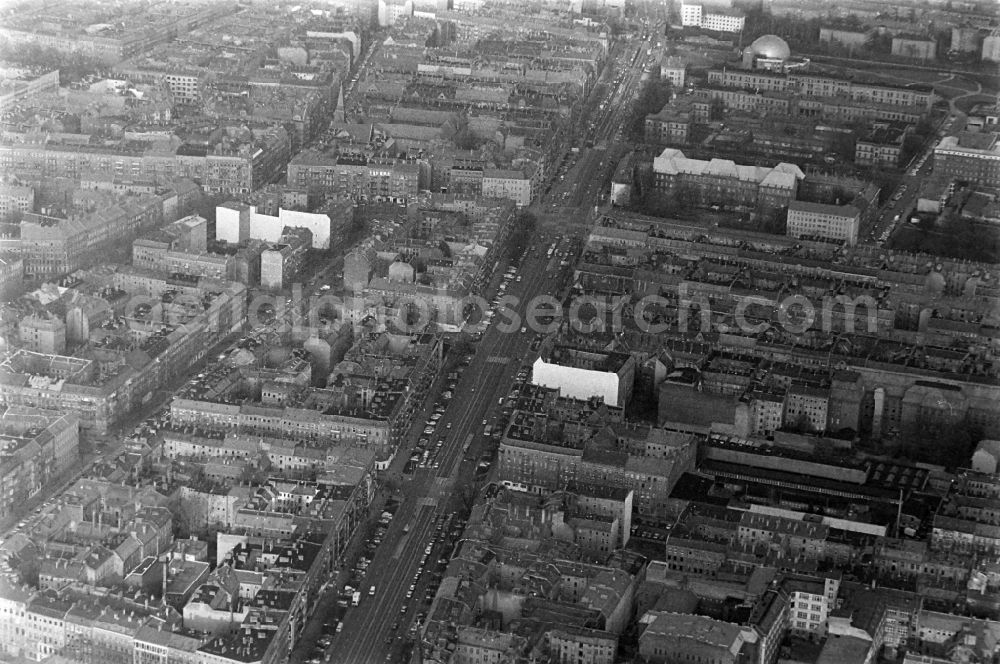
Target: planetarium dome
<point x="771" y="47"/>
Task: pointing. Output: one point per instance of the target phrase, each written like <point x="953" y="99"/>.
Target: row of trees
<point x="922" y="132"/>
<point x="72" y="67"/>
<point x="957" y="237"/>
<point x="803" y="35"/>
<point x="524" y="229"/>
<point x="655" y="94"/>
<point x="931" y="442"/>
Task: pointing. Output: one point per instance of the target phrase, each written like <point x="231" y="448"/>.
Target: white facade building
<point x="621" y="193"/>
<point x="766" y="413"/>
<point x="585" y="375"/>
<point x="810" y="602"/>
<point x="832" y="222"/>
<point x="690" y="15"/>
<point x="719" y="20"/>
<point x="185" y="88"/>
<point x="725" y="21"/>
<point x="673" y="69"/>
<point x="13" y="611"/>
<point x="991" y="47"/>
<point x="511" y="184"/>
<point x="390" y="11"/>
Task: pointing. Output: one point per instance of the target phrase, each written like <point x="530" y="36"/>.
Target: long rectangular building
<point x="362" y="410"/>
<point x="819" y="220"/>
<point x="354" y="175"/>
<point x="279" y="421"/>
<point x="972" y="158"/>
<point x="649" y="461"/>
<point x="222" y="169"/>
<point x="109" y="42"/>
<point x="814" y="85"/>
<point x="723" y="182"/>
<point x="35" y="447"/>
<point x="785" y="102"/>
<point x="52" y="245"/>
<point x="22" y="88"/>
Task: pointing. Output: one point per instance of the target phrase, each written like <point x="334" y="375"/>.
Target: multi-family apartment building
<point x="355" y="175"/>
<point x="162" y="339"/>
<point x="816" y="85"/>
<point x="674" y="69"/>
<point x="586" y="646"/>
<point x="623" y="457"/>
<point x="781" y="102"/>
<point x="280" y="263"/>
<point x="722" y="182"/>
<point x="811" y="599"/>
<point x="59" y="243"/>
<point x="109" y="43"/>
<point x="228" y="166"/>
<point x="366" y="409"/>
<point x="45" y="627"/>
<point x="882" y="145"/>
<point x="512" y="184"/>
<point x="823" y="221"/>
<point x="15" y="199"/>
<point x="914" y="47"/>
<point x="42" y="333"/>
<point x="711" y="18"/>
<point x="27" y="85"/>
<point x="870" y="394"/>
<point x="973" y="158"/>
<point x="669" y="125"/>
<point x="671" y="637"/>
<point x="88" y="624"/>
<point x="37" y="447"/>
<point x="297" y="423"/>
<point x="181" y="247"/>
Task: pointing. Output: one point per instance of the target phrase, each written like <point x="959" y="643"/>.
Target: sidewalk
<point x="326" y="606"/>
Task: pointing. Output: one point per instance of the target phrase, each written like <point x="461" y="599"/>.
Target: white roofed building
<point x="724" y="182"/>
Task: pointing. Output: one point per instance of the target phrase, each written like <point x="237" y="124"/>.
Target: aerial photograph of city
<point x="499" y="332"/>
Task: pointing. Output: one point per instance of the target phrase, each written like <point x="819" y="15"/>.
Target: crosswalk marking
<point x="496" y="359"/>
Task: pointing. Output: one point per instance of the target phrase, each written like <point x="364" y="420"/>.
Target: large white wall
<point x="265" y="227"/>
<point x="318" y="224"/>
<point x="577" y="383"/>
<point x="268" y="228"/>
<point x="227" y="225"/>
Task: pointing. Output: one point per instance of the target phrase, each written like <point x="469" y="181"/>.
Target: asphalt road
<point x="367" y="632"/>
<point x="912" y="179"/>
<point x="590" y="176"/>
